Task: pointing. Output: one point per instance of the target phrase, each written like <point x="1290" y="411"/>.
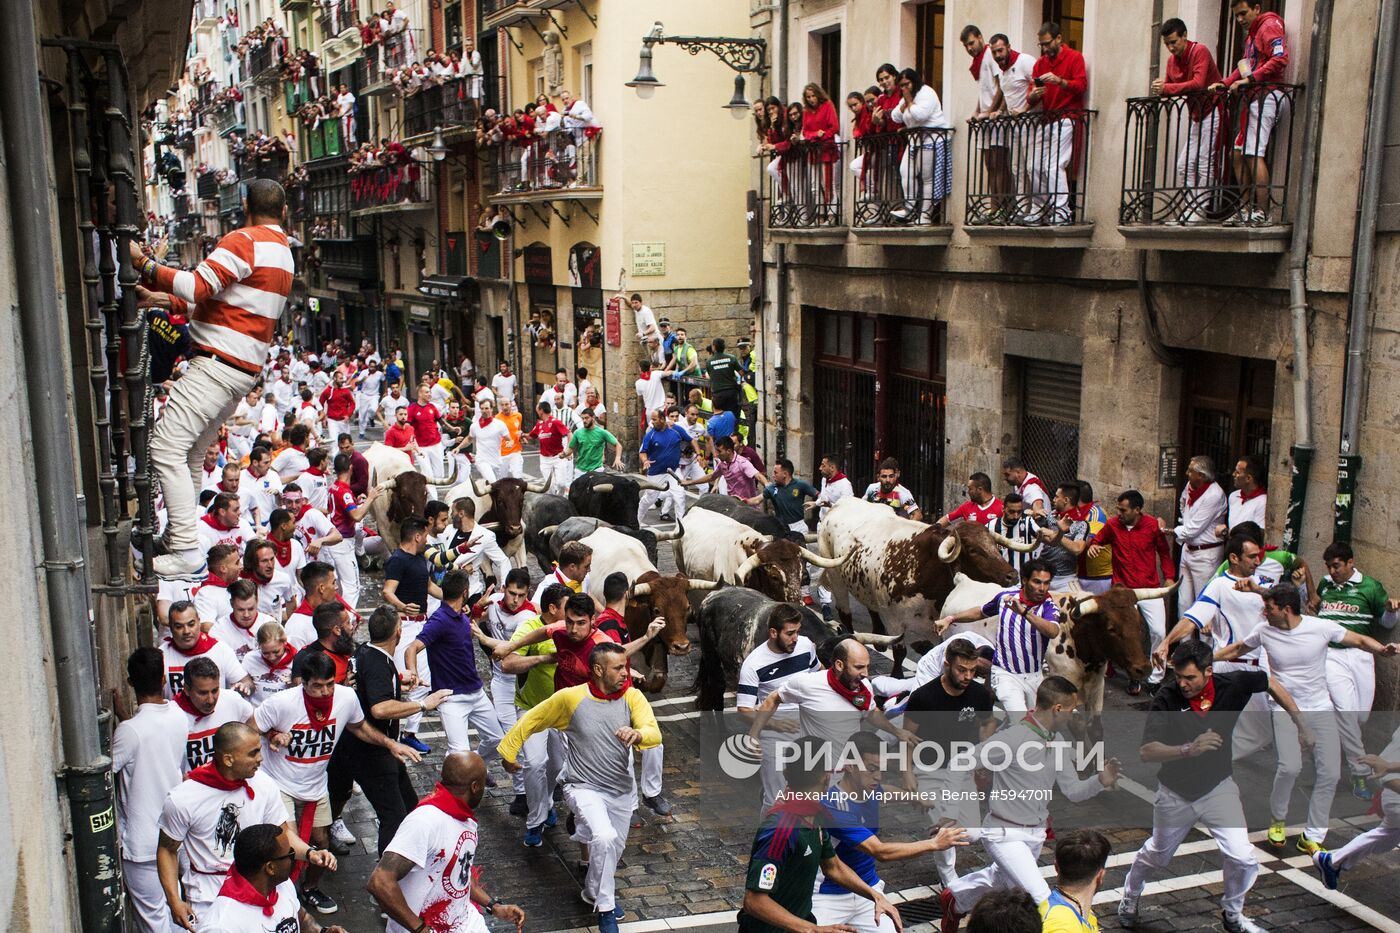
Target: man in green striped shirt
<point x="1359" y="603"/>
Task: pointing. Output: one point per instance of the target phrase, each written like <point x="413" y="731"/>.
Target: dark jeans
<point x="381" y="776"/>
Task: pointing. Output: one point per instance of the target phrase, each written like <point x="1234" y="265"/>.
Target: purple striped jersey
<point x="1020" y="646"/>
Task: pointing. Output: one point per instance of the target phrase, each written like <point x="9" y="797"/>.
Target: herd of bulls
<point x="736" y="563"/>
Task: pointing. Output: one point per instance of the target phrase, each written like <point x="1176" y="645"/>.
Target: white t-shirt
<point x="500" y="624"/>
<point x="987" y="81"/>
<point x="227" y="915"/>
<point x="282" y="394"/>
<point x="503" y="385"/>
<point x="443" y="849"/>
<point x="207" y="820"/>
<point x="832" y="492"/>
<point x="646" y="323"/>
<point x="300" y="631"/>
<point x="172" y="591"/>
<point x="439" y="397"/>
<point x="208" y="479"/>
<point x="312" y="525"/>
<point x="295" y="562"/>
<point x="212" y="603"/>
<point x="370" y="383"/>
<point x="260" y="492"/>
<point x="1231" y="614"/>
<point x="930" y="666"/>
<point x="765" y="670"/>
<point x="1016" y="82"/>
<point x="552" y="395"/>
<point x="652" y="392"/>
<point x="253" y="413"/>
<point x="241" y="640"/>
<point x="345" y="102"/>
<point x="199" y="730"/>
<point x="148" y="751"/>
<point x="266" y="681"/>
<point x="824" y="714"/>
<point x="299" y="768"/>
<point x="288" y="463"/>
<point x="269" y="419"/>
<point x="1298" y="658"/>
<point x="489" y="439"/>
<point x="210" y="536"/>
<point x="388" y="405"/>
<point x="276" y="594"/>
<point x="175" y="661"/>
<point x="485" y="394"/>
<point x="317" y="487"/>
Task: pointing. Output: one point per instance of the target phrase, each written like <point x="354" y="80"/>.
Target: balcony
<point x="396" y="188"/>
<point x="207" y="187"/>
<point x="1027" y="177"/>
<point x="272" y="165"/>
<point x="262" y="64"/>
<point x="356" y="260"/>
<point x="446" y="105"/>
<point x="323" y="141"/>
<point x="556" y="167"/>
<point x="230" y="198"/>
<point x="1209" y="171"/>
<point x="227" y="119"/>
<point x="335" y="18"/>
<point x="901" y="182"/>
<point x="498" y="13"/>
<point x="181" y="205"/>
<point x="379" y="61"/>
<point x="207" y="12"/>
<point x="294" y="4"/>
<point x="805" y="187"/>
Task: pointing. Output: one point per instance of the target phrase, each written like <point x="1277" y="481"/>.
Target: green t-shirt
<point x="588" y="444"/>
<point x="786" y="856"/>
<point x="1355" y="603"/>
<point x="538" y="683"/>
<point x="1276" y="567"/>
<point x="723" y="370"/>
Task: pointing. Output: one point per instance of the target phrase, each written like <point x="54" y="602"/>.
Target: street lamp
<point x="745" y="56"/>
<point x="738" y="105"/>
<point x="439" y="148"/>
<point x="645" y="82"/>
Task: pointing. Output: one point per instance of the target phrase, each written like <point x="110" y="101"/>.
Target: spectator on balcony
<point x="925" y="169"/>
<point x="991" y="142"/>
<point x="579" y="119"/>
<point x="1265" y="63"/>
<point x="821" y="131"/>
<point x="1061" y="82"/>
<point x="472" y="68"/>
<point x="862" y="127"/>
<point x="776" y="144"/>
<point x="1190" y="71"/>
<point x="345" y="109"/>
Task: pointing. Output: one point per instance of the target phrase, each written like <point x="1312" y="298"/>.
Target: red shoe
<point x="1049" y="830"/>
<point x="951" y="917"/>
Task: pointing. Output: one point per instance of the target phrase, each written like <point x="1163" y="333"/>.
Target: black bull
<point x="610" y="496"/>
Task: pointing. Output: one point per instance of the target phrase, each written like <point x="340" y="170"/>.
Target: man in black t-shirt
<point x="950" y="714"/>
<point x="1189" y="727"/>
<point x="723" y="370"/>
<point x="381" y="776"/>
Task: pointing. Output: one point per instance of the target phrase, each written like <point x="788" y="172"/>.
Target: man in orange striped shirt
<point x="237" y="296"/>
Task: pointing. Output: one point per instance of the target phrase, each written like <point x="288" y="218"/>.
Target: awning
<point x="449" y="287"/>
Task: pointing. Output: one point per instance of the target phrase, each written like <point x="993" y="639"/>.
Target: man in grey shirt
<point x="1065" y="537"/>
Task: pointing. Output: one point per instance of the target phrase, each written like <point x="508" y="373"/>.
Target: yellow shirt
<point x="1059" y="915"/>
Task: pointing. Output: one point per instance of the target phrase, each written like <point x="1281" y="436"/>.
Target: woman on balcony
<point x="861" y="128"/>
<point x="926" y="167"/>
<point x="884" y="153"/>
<point x="821" y="131"/>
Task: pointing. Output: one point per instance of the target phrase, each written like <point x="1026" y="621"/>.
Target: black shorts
<point x="728" y="401"/>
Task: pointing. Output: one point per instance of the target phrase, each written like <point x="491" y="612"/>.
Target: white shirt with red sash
<point x="241" y="908"/>
<point x="218" y="652"/>
<point x="299" y="767"/>
<point x="439" y="837"/>
<point x="200" y="729"/>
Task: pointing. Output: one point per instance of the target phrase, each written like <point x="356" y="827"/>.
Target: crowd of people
<point x="541" y="145"/>
<point x="268" y="36"/>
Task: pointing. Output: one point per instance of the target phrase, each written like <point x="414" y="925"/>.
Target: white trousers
<point x="336" y="428"/>
<point x="1013" y="851"/>
<point x="1197" y="569"/>
<point x="1015" y="693"/>
<point x="693" y="470"/>
<point x="673" y="491"/>
<point x="365" y="406"/>
<point x="769" y="771"/>
<point x="1050" y="155"/>
<point x="489" y="470"/>
<point x="1326" y="755"/>
<point x="149" y="911"/>
<point x="558" y="474"/>
<point x="410" y="630"/>
<point x="347" y="570"/>
<point x="1351" y="682"/>
<point x="1254" y="729"/>
<point x="200" y="401"/>
<point x="1196" y="161"/>
<point x="949" y="795"/>
<point x="851" y="910"/>
<point x="544" y="761"/>
<point x="1378" y="841"/>
<point x="1154" y="616"/>
<point x="514" y="465"/>
<point x="462" y="711"/>
<point x="653" y="760"/>
<point x="429" y="461"/>
<point x="602" y="820"/>
<point x="1222" y="815"/>
<point x="503" y="702"/>
<point x="1064" y="583"/>
<point x="1095" y="584"/>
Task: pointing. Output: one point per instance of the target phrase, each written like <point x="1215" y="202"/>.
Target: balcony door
<point x="1228" y="410"/>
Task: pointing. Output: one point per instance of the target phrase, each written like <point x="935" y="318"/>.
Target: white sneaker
<point x="1127" y="912"/>
<point x="1193" y="217"/>
<point x="185" y="565"/>
<point x="1239" y="923"/>
<point x="1258" y="218"/>
<point x="341" y="834"/>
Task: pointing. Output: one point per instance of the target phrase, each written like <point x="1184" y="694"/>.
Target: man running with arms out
<point x="587" y="444"/>
<point x="425" y="880"/>
<point x="238" y="294"/>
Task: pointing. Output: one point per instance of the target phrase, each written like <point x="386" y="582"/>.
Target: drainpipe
<point x="1359" y="315"/>
<point x="86" y="773"/>
<point x="1302" y="452"/>
<point x="780" y="422"/>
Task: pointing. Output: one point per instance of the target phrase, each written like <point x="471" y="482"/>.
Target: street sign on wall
<point x="648" y="258"/>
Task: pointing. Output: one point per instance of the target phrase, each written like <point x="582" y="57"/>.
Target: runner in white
<point x="258" y="895"/>
<point x="211" y="599"/>
<point x="426" y="878"/>
<point x="271" y="665"/>
<point x="786" y="654"/>
<point x="188" y="641"/>
<point x="1200" y="509"/>
<point x="499" y="616"/>
<point x="206" y="707"/>
<point x="486" y="435"/>
<point x="239" y="629"/>
<point x="224" y="523"/>
<point x="276" y="589"/>
<point x="1384" y="837"/>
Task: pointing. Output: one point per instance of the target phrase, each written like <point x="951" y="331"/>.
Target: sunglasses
<point x="291" y="856"/>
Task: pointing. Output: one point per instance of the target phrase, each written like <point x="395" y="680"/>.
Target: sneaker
<point x="1307" y="846"/>
<point x="1359" y="788"/>
<point x="558" y="793"/>
<point x="1238" y="219"/>
<point x="951" y="916"/>
<point x="415" y="743"/>
<point x="319" y="901"/>
<point x="519" y="806"/>
<point x="1278" y="833"/>
<point x="1322" y="859"/>
<point x="534" y="836"/>
<point x="1192" y="216"/>
<point x="1134" y="688"/>
<point x="607" y="923"/>
<point x="341" y="833"/>
<point x="553" y="819"/>
<point x="1239" y="923"/>
<point x="1258" y="218"/>
<point x="1127" y="912"/>
<point x="490" y="781"/>
<point x="186" y="565"/>
<point x="658" y="805"/>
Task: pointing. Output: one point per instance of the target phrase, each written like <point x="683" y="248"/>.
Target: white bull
<point x="718" y="548"/>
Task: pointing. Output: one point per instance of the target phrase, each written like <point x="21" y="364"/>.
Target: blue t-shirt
<point x="448" y="637"/>
<point x="392" y="374"/>
<point x="725" y="424"/>
<point x="852" y="819"/>
<point x="663" y="448"/>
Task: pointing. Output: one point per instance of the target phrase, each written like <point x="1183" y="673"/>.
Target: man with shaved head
<point x="429" y="862"/>
<point x="204" y="815"/>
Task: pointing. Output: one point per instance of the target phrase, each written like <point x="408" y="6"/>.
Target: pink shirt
<point x="738" y="476"/>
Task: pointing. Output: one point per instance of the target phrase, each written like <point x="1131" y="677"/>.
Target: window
<point x="928" y="43"/>
<point x="452" y="26"/>
<point x="1230" y="47"/>
<point x="829" y="75"/>
<point x="1070" y="15"/>
<point x="537" y="78"/>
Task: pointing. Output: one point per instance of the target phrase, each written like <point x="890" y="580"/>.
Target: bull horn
<point x="645" y="483"/>
<point x="480" y="486"/>
<point x="641" y="589"/>
<point x="388" y="484"/>
<point x="603" y="487"/>
<point x="701" y="585"/>
<point x="541" y="486"/>
<point x="750" y="564"/>
<point x="826" y="563"/>
<point x="810" y="537"/>
<point x="673" y="534"/>
<point x="872" y="640"/>
<point x="489" y="526"/>
<point x="547" y="531"/>
<point x="949" y="550"/>
<point x="1025" y="547"/>
<point x="1086" y="607"/>
<point x="451" y="480"/>
<point x="1153" y="592"/>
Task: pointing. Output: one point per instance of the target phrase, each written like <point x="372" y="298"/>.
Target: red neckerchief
<point x="281" y="549"/>
<point x="801" y="808"/>
<point x="1203" y="701"/>
<point x="305" y="507"/>
<point x="314" y="471"/>
<point x="1036" y="727"/>
<point x="304" y="608"/>
<point x="288" y="652"/>
<point x="215" y="581"/>
<point x="182" y="700"/>
<point x="1193" y="493"/>
<point x="1011" y="57"/>
<point x="240" y="889"/>
<point x="444" y="800"/>
<point x="977" y="63"/>
<point x="593" y="689"/>
<point x="1258" y="491"/>
<point x="209" y="776"/>
<point x="836" y="478"/>
<point x="485" y="422"/>
<point x="1079" y="513"/>
<point x="1026" y="601"/>
<point x="860" y="698"/>
<point x="210" y="519"/>
<point x="318" y="708"/>
<point x="222" y="488"/>
<point x="257" y="580"/>
<point x="206" y="641"/>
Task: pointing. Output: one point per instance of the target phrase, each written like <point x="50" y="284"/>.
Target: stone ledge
<point x="1069" y="236"/>
<point x="1208" y="239"/>
<point x="809" y="236"/>
<point x="907" y="235"/>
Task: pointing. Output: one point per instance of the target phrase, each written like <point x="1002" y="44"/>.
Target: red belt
<point x="212" y="874"/>
<point x="1205" y="547"/>
<point x="405" y="617"/>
